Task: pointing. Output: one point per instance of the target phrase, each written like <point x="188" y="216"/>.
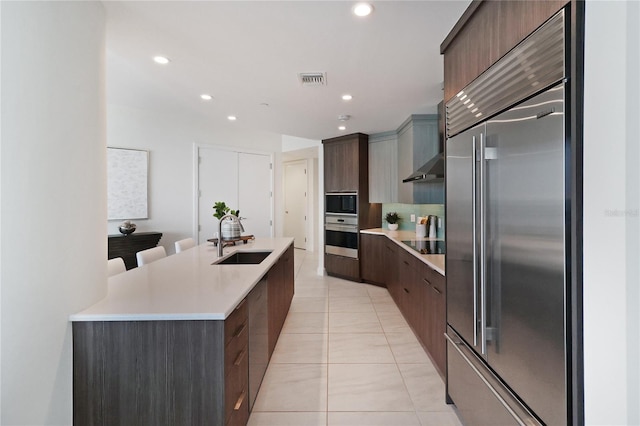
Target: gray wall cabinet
<point x="393" y="156"/>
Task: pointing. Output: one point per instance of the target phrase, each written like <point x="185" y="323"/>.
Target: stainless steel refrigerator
<point x="506" y="218"/>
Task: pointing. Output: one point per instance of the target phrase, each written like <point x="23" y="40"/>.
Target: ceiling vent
<point x="312" y="79"/>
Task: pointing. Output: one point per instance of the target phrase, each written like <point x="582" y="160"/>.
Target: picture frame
<point x="127" y="183"/>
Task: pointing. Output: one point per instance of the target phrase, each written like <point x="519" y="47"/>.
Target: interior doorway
<point x="295" y="202"/>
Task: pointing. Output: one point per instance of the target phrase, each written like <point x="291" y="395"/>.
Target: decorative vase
<point x="393" y="226"/>
<point x="231" y="230"/>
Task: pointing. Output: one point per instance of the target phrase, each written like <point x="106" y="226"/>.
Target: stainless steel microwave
<point x="341" y="203"/>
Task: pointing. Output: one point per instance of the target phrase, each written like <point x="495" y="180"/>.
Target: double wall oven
<point x="341" y="224"/>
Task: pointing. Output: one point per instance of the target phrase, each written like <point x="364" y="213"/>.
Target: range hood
<point x="432" y="171"/>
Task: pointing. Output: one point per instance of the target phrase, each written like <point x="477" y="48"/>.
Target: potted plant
<point x="392" y="219"/>
<point x="230" y="229"/>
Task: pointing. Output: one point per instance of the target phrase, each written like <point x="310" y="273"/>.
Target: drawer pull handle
<point x="240" y="330"/>
<point x="426" y="281"/>
<point x="436" y="290"/>
<point x="406" y="263"/>
<point x="239" y="401"/>
<point x="405" y="290"/>
<point x="240" y="357"/>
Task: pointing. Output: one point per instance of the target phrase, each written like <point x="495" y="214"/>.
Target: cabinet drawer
<point x="236" y="351"/>
<point x="407" y="260"/>
<point x="236" y="390"/>
<point x="240" y="417"/>
<point x="236" y="324"/>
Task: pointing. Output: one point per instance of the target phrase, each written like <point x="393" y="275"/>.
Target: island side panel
<point x="148" y="372"/>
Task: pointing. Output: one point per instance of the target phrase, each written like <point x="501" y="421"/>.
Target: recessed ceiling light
<point x="347" y="97"/>
<point x="344" y="117"/>
<point x="161" y="60"/>
<point x="342" y="127"/>
<point x="362" y="9"/>
<point x="206" y="97"/>
<point x="232" y="118"/>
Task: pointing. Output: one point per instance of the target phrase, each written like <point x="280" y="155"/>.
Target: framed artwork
<point x="127" y="183"/>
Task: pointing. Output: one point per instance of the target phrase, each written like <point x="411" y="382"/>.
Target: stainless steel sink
<point x="243" y="258"/>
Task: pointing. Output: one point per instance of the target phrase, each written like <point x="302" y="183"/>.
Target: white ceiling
<point x="246" y="53"/>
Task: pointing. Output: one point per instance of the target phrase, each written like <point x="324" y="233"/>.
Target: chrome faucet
<point x="233" y="219"/>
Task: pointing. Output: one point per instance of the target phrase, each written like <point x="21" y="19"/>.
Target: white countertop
<point x="435" y="261"/>
<point x="184" y="286"/>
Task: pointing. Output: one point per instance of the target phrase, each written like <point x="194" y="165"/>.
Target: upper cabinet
<point x="487" y="30"/>
<point x="344" y="158"/>
<point x="383" y="167"/>
<point x="393" y="156"/>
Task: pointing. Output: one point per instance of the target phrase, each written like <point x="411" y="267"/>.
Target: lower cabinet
<point x="258" y="301"/>
<point x="342" y="266"/>
<point x="372" y="255"/>
<point x="418" y="290"/>
<point x="281" y="288"/>
<point x="433" y="318"/>
<point x="236" y="366"/>
<point x="175" y="372"/>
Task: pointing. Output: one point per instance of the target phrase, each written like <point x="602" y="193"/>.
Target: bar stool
<point x="150" y="255"/>
<point x="185" y="244"/>
<point x="115" y="266"/>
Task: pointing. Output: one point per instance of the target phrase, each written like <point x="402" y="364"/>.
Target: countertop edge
<point x="396" y="237"/>
<point x="97" y="313"/>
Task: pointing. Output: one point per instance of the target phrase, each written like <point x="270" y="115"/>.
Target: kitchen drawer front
<point x="236" y="323"/>
<point x="341" y="266"/>
<point x="240" y="417"/>
<point x="407" y="260"/>
<point x="236" y="391"/>
<point x="236" y="351"/>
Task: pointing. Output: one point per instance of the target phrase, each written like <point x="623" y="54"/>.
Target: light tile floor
<point x="346" y="356"/>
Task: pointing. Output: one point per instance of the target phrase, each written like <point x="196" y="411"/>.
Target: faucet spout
<point x="225" y="217"/>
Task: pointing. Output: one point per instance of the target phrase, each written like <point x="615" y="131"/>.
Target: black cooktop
<point x="426" y="247"/>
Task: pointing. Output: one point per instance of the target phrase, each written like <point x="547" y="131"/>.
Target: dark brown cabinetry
<point x="342" y="159"/>
<point x="126" y="246"/>
<point x="432" y="318"/>
<point x="392" y="279"/>
<point x="281" y="288"/>
<point x="418" y="290"/>
<point x="486" y="31"/>
<point x="346" y="169"/>
<point x="258" y="301"/>
<point x="236" y="366"/>
<point x="372" y="258"/>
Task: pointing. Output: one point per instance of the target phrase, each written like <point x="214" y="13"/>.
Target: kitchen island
<point x="181" y="340"/>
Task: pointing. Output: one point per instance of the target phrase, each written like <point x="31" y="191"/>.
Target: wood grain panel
<point x="372" y="260"/>
<point x="344" y="267"/>
<point x="493" y="29"/>
<point x="148" y="372"/>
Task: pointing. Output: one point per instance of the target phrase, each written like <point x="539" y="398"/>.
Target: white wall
<point x="53" y="168"/>
<point x="169" y="138"/>
<point x="611" y="215"/>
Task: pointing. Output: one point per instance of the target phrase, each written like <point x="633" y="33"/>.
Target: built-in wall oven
<point x="341" y="234"/>
<point x="341" y="203"/>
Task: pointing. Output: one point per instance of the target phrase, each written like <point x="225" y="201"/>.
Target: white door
<point x="217" y="181"/>
<point x="295" y="203"/>
<point x="255" y="194"/>
<point x="243" y="181"/>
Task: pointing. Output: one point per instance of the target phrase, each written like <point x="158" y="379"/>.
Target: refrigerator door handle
<point x="474" y="231"/>
<point x="483" y="254"/>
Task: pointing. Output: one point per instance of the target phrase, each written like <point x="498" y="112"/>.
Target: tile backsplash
<point x="406" y="210"/>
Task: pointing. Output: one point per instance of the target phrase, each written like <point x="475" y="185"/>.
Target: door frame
<point x="196" y="184"/>
<point x="308" y="242"/>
